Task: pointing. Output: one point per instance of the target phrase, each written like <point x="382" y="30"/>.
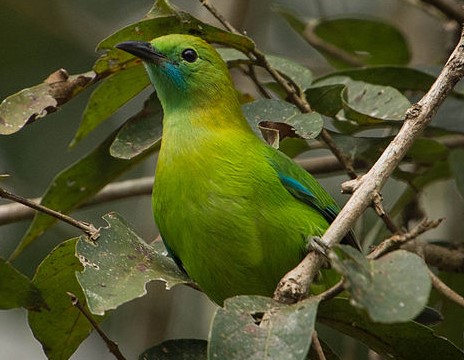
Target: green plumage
<point x="235" y="213"/>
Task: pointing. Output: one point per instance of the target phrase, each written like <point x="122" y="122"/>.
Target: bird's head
<point x="184" y="69"/>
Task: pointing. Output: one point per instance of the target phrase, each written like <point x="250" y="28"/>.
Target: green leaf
<point x="38" y="101"/>
<point x="427" y="151"/>
<point x="368" y="41"/>
<point x="119" y="264"/>
<point x="141" y="132"/>
<point x="400" y="77"/>
<point x="230" y="54"/>
<point x="75" y="185"/>
<point x="180" y="23"/>
<point x="61" y="329"/>
<point x="325" y="99"/>
<point x="178" y="349"/>
<point x="295" y="23"/>
<point x="16" y="290"/>
<point x="367" y="149"/>
<point x="163" y="23"/>
<point x="373" y="104"/>
<point x="451" y="327"/>
<point x="160" y="8"/>
<point x="456" y="161"/>
<point x="109" y="96"/>
<point x="372" y="41"/>
<point x="363" y="103"/>
<point x="393" y="341"/>
<point x="418" y="180"/>
<point x="285" y="332"/>
<point x="281" y="117"/>
<point x="394" y="288"/>
<point x="299" y="74"/>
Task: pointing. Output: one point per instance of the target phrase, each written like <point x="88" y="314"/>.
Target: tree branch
<point x="87" y="228"/>
<point x="295" y="284"/>
<point x="397" y="240"/>
<point x="445" y="289"/>
<point x="443" y="258"/>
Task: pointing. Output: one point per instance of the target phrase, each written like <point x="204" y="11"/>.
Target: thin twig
<point x="333" y="291"/>
<point x="396" y="241"/>
<point x="87" y="228"/>
<point x="295" y="284"/>
<point x="384" y="215"/>
<point x="445" y="289"/>
<point x="316" y="345"/>
<point x="112" y="346"/>
<point x="441" y="257"/>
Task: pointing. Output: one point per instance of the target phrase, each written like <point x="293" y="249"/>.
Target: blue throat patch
<point x="174" y="73"/>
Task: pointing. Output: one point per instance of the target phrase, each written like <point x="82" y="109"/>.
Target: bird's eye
<point x="189" y="55"/>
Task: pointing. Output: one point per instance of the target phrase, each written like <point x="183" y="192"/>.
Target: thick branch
<point x="293" y="285"/>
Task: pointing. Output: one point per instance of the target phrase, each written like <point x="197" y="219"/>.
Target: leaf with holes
<point x="285" y="332"/>
<point x="118" y="265"/>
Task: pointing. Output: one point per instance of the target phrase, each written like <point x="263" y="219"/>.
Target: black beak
<point x="143" y="50"/>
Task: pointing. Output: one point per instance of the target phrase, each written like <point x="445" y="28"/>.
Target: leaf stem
<point x="112" y="346"/>
<point x="316" y="345"/>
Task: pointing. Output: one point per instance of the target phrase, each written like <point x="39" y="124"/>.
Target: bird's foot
<point x="316" y="244"/>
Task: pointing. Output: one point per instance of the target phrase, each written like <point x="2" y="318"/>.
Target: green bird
<point x="234" y="213"/>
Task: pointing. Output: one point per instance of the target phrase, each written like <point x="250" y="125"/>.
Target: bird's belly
<point x="228" y="243"/>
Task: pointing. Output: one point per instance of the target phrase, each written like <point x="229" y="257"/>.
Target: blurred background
<point x="39" y="37"/>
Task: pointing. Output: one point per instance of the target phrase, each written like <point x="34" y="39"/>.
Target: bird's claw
<point x="316" y="244"/>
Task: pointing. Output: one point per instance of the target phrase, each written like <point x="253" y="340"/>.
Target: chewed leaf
<point x="284" y="117"/>
<point x="298" y="73"/>
<point x="284" y="333"/>
<point x="394" y="288"/>
<point x="38" y="101"/>
<point x="118" y="265"/>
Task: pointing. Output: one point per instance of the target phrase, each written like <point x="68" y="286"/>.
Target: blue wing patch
<point x="305" y="195"/>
